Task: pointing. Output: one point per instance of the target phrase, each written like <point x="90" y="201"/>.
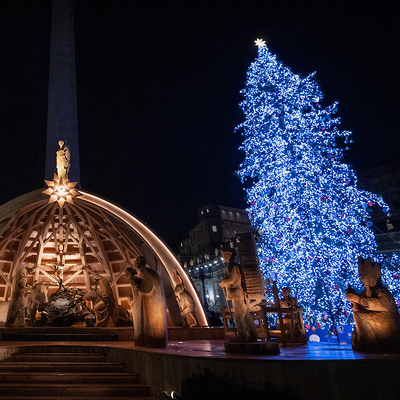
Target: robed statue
<point x="63" y="159"/>
<point x="148" y="305"/>
<point x="375" y="312"/>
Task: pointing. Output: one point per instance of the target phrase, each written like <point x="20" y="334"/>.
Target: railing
<point x="392" y="236"/>
<point x="388" y="242"/>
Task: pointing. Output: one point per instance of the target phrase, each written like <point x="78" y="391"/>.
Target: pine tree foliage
<point x="303" y="199"/>
<point x="390" y="266"/>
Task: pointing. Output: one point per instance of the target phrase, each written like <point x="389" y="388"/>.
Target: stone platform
<point x="82" y="333"/>
<point x="313" y="371"/>
<point x="253" y="348"/>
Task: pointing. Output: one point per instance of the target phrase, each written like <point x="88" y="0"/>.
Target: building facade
<point x="199" y="253"/>
<point x="385" y="181"/>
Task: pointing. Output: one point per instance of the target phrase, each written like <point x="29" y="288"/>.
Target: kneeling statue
<point x="375" y="312"/>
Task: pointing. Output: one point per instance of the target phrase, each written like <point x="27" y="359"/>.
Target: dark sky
<point x="158" y="92"/>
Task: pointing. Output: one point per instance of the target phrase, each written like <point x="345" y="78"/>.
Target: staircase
<point x="67" y="372"/>
<point x="58" y="334"/>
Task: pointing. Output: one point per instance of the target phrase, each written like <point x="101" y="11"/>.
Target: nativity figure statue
<point x="148" y="305"/>
<point x="375" y="312"/>
<point x="232" y="284"/>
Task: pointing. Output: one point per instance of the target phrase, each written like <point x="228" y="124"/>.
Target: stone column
<point x="62" y="116"/>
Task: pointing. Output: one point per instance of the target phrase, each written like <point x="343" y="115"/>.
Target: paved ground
<point x="215" y="349"/>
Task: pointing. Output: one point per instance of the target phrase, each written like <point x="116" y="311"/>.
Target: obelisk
<point x="62" y="116"/>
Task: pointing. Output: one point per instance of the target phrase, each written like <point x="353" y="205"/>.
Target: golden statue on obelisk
<point x="63" y="159"/>
<point x="61" y="189"/>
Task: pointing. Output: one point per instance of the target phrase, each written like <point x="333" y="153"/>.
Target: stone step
<point x="65" y="390"/>
<point x="76" y="398"/>
<point x="53" y="333"/>
<point x="59" y="357"/>
<point x="60" y="372"/>
<point x="57" y="329"/>
<point x="59" y="337"/>
<point x="58" y="348"/>
<point x="68" y="377"/>
<point x="9" y="366"/>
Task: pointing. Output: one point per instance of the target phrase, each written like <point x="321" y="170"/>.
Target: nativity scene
<point x="71" y="258"/>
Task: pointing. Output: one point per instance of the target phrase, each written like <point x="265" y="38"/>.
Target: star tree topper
<point x="260" y="43"/>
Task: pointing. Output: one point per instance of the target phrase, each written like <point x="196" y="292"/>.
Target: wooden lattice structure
<point x="250" y="267"/>
<point x="89" y="234"/>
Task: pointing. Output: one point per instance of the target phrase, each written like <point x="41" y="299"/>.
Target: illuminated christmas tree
<point x="390" y="263"/>
<point x="303" y="199"/>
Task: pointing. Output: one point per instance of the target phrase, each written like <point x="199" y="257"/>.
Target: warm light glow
<point x="61" y="190"/>
<point x="260" y="43"/>
<point x="160" y="249"/>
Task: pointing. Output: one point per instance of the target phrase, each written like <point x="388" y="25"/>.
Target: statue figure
<point x="122" y="316"/>
<point x="185" y="301"/>
<point x="103" y="300"/>
<point x="375" y="312"/>
<point x="3" y="312"/>
<point x="150" y="321"/>
<point x="16" y="310"/>
<point x="389" y="225"/>
<point x="135" y="302"/>
<point x="37" y="296"/>
<point x="232" y="283"/>
<point x="288" y="301"/>
<point x="65" y="307"/>
<point x="59" y="273"/>
<point x="63" y="159"/>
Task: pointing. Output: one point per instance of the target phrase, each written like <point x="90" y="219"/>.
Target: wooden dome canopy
<point x="91" y="233"/>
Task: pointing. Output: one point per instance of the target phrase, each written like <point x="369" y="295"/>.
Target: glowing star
<point x="260" y="43"/>
<point x="61" y="190"/>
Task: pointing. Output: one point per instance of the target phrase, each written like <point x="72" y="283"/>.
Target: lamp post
<point x="203" y="275"/>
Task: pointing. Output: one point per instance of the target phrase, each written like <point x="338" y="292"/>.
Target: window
<point x="395" y="201"/>
<point x="375" y="184"/>
<point x="388" y="181"/>
<point x="214" y="228"/>
<point x="227" y="234"/>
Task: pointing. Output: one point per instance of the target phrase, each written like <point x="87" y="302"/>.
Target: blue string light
<point x="303" y="199"/>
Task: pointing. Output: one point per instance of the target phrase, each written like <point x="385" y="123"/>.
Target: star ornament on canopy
<point x="61" y="190"/>
<point x="260" y="43"/>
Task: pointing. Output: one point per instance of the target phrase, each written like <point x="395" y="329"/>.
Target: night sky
<point x="158" y="92"/>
